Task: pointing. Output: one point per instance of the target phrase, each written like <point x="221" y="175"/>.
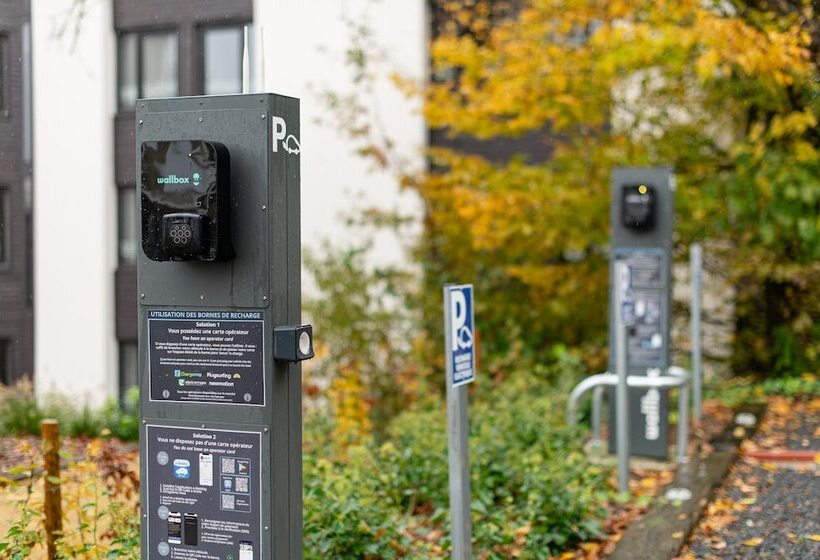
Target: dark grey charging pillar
<point x="221" y="434"/>
<point x="642" y="222"/>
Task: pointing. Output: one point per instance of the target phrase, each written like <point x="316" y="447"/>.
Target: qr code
<point x="241" y="484"/>
<point x="228" y="501"/>
<point x="228" y="465"/>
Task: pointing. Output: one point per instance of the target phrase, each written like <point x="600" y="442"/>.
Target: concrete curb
<point x="662" y="531"/>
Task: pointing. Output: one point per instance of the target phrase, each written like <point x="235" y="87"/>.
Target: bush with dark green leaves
<point x="752" y="390"/>
<point x="533" y="490"/>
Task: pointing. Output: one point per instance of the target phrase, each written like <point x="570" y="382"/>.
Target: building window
<point x="222" y="49"/>
<point x="147" y="66"/>
<point x="5" y="362"/>
<point x="127" y="225"/>
<point x="129" y="367"/>
<point x="2" y="72"/>
<point x="4" y="225"/>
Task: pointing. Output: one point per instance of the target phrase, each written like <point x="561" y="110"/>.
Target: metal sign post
<point x="696" y="268"/>
<point x="219" y="334"/>
<point x="619" y="306"/>
<point x="459" y="336"/>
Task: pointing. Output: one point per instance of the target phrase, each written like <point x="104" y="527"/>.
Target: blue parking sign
<point x="459" y="326"/>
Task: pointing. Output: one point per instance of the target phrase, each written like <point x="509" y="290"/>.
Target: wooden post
<point x="50" y="430"/>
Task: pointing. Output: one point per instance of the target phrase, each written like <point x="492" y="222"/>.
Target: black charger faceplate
<point x="638" y="204"/>
<point x="186" y="201"/>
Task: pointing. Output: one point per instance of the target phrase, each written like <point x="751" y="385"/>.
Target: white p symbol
<point x="280" y="129"/>
<point x="460" y="334"/>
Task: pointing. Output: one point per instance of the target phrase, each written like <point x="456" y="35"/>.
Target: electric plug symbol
<point x="291" y="148"/>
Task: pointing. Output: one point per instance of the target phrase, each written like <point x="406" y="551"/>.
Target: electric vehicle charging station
<point x="220" y="338"/>
<point x="642" y="222"/>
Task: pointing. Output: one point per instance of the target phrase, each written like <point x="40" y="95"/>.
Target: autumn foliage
<point x="726" y="92"/>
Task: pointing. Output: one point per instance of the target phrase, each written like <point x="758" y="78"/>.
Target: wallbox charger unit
<point x="186" y="197"/>
<point x="638" y="207"/>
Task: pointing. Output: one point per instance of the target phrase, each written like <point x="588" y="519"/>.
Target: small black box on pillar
<point x="293" y="344"/>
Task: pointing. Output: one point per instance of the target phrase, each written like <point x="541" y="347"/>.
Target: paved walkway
<point x="768" y="510"/>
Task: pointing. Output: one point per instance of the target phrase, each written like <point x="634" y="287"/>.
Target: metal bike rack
<point x="676" y="377"/>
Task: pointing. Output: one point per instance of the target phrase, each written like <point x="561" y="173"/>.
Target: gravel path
<point x="762" y="513"/>
<point x="805" y="434"/>
<point x="762" y="510"/>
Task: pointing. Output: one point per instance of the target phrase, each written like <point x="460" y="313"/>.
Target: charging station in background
<point x="220" y="338"/>
<point x="642" y="222"/>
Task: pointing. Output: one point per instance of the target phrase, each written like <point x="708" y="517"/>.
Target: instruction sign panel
<point x="206" y="356"/>
<point x="460" y="325"/>
<point x="643" y="308"/>
<point x="204" y="493"/>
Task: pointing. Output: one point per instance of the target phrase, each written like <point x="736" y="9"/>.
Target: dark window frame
<point x="200" y="46"/>
<point x="4" y="87"/>
<point x="127" y="190"/>
<point x="5" y="238"/>
<point x="123" y="348"/>
<point x="141" y="33"/>
<point x="7" y="378"/>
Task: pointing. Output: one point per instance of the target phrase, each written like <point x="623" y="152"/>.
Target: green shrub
<point x="416" y="459"/>
<point x="751" y="390"/>
<point x="83" y="422"/>
<point x="344" y="517"/>
<point x="533" y="491"/>
<point x="122" y="419"/>
<point x="21" y="413"/>
<point x="529" y="471"/>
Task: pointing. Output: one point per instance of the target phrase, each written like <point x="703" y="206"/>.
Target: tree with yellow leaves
<point x="727" y="92"/>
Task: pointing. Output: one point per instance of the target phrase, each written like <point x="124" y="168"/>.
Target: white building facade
<point x="88" y="68"/>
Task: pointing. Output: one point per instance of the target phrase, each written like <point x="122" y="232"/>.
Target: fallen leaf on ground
<point x="649" y="483"/>
<point x="753" y="542"/>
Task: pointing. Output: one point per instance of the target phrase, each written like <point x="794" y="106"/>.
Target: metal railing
<point x="676" y="377"/>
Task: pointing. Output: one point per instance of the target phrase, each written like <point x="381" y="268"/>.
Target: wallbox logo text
<point x="172" y="179"/>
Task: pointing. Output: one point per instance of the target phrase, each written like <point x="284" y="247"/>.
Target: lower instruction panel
<point x="203" y="490"/>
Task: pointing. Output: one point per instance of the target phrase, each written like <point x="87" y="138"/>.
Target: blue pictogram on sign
<point x="460" y="337"/>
